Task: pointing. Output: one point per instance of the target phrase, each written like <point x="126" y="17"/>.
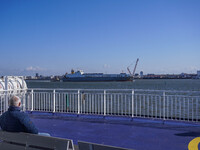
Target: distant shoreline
<point x="38" y="80"/>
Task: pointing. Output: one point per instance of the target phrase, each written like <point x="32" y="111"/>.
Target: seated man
<point x="14" y="120"/>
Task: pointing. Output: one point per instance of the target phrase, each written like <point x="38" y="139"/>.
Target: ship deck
<point x="137" y="133"/>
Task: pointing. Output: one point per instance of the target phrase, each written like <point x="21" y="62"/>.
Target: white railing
<point x="170" y="105"/>
<point x="5" y="95"/>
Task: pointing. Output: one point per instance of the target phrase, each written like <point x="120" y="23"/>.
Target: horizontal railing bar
<point x="139" y="90"/>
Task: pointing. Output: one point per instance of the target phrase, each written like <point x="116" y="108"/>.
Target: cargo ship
<point x="80" y="76"/>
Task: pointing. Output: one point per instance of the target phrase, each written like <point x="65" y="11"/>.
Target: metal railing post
<point x="104" y="102"/>
<point x="31" y="100"/>
<point x="133" y="92"/>
<point x="23" y="100"/>
<point x="54" y="101"/>
<point x="164" y="105"/>
<point x="78" y="101"/>
<point x="6" y="93"/>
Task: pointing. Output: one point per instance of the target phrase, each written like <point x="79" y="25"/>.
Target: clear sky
<point x="54" y="36"/>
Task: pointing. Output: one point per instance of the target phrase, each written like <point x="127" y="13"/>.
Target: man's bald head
<point x="15" y="101"/>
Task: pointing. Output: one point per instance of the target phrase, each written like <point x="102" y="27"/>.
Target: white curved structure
<point x="13" y="84"/>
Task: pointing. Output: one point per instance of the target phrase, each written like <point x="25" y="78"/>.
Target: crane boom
<point x="129" y="70"/>
<point x="135" y="67"/>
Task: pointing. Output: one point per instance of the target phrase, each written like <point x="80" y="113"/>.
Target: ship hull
<point x="97" y="79"/>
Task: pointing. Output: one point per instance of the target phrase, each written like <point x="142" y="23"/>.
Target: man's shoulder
<point x="21" y="115"/>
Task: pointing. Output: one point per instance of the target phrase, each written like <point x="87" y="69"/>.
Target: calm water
<point x="161" y="84"/>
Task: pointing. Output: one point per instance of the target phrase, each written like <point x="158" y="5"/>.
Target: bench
<point x="22" y="141"/>
<point x="92" y="146"/>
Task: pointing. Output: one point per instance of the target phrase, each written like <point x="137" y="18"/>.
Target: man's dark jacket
<point x="14" y="120"/>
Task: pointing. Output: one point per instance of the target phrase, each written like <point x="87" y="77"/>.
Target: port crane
<point x="129" y="69"/>
<point x="133" y="74"/>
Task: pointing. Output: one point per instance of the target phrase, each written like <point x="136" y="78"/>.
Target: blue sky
<point x="54" y="36"/>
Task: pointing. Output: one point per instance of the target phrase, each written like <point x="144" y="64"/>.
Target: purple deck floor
<point x="138" y="134"/>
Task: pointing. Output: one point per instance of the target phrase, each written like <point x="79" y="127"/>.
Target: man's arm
<point x="28" y="124"/>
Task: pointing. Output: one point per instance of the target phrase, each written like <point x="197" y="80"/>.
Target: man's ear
<point x="19" y="104"/>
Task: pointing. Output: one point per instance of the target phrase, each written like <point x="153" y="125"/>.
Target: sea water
<point x="152" y="84"/>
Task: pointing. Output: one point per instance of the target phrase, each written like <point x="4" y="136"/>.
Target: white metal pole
<point x="24" y="102"/>
<point x="24" y="96"/>
<point x="6" y="92"/>
<point x="31" y="100"/>
<point x="78" y="101"/>
<point x="23" y="87"/>
<point x="54" y="101"/>
<point x="104" y="102"/>
<point x="164" y="105"/>
<point x="133" y="92"/>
